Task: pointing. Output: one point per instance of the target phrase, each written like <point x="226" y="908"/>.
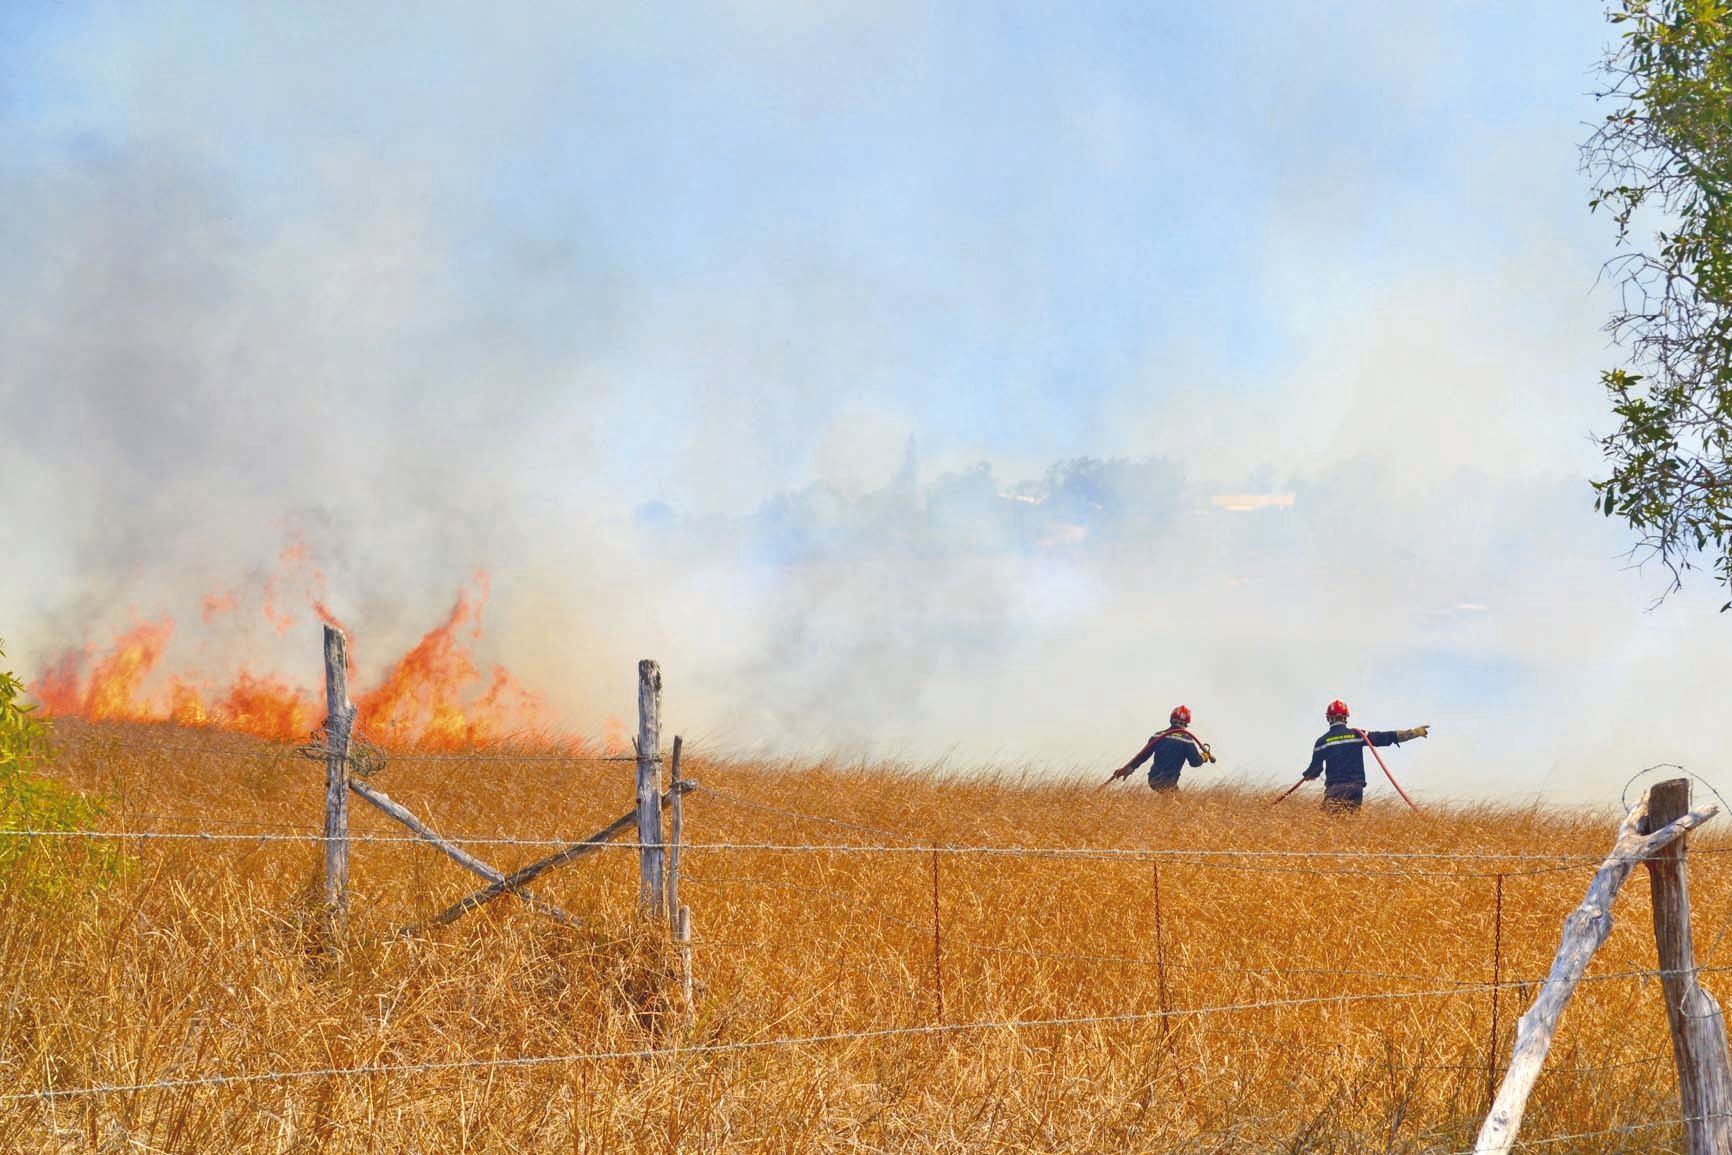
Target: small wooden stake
<point x="339" y="724"/>
<point x="1496" y="989"/>
<point x="1161" y="962"/>
<point x="1698" y="1028"/>
<point x="675" y="834"/>
<point x="649" y="785"/>
<point x="937" y="943"/>
<point x="683" y="937"/>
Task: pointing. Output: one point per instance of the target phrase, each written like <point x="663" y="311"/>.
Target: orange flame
<point x="427" y="697"/>
<point x="112" y="689"/>
<point x="434" y="696"/>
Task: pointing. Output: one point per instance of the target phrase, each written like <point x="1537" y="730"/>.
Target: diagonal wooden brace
<point x="455" y="853"/>
<point x="517" y="879"/>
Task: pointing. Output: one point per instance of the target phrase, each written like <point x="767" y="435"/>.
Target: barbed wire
<point x="1620" y="1129"/>
<point x="1204" y="857"/>
<point x="1221" y="858"/>
<point x="1227" y="858"/>
<point x="306" y="749"/>
<point x="704" y="1049"/>
<point x="1624" y="794"/>
<point x="59" y="740"/>
<point x="257" y="836"/>
<point x="491" y="756"/>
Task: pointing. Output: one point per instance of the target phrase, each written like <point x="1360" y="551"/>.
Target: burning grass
<point x="1318" y="1005"/>
<point x="434" y="696"/>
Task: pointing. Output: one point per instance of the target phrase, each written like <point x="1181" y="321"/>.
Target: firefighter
<point x="1168" y="752"/>
<point x="1340" y="757"/>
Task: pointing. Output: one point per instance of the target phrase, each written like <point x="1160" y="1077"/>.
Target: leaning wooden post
<point x="675" y="833"/>
<point x="1698" y="1028"/>
<point x="1584" y="930"/>
<point x="649" y="784"/>
<point x="339" y="724"/>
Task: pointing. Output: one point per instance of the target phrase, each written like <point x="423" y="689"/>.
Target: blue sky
<point x="462" y="287"/>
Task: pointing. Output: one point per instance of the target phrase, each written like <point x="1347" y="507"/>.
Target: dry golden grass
<point x="203" y="958"/>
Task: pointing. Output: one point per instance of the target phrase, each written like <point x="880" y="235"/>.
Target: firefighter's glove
<point x="1311" y="775"/>
<point x="1208" y="754"/>
<point x="1416" y="732"/>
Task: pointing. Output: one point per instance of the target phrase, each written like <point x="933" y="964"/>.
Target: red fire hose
<point x="1386" y="772"/>
<point x="1366" y="738"/>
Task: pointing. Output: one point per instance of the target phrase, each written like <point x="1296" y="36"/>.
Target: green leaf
<point x="1660" y="162"/>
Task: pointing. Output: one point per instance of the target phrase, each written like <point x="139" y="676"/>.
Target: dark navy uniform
<point x="1167" y="753"/>
<point x="1340" y="757"/>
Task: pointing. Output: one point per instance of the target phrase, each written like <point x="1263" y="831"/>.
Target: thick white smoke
<point x="877" y="371"/>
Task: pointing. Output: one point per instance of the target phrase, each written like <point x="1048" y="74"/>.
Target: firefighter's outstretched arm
<point x="1316" y="766"/>
<point x="1396" y="737"/>
<point x="1143" y="755"/>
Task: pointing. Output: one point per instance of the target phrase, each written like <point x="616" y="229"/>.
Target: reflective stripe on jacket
<point x="1340" y="754"/>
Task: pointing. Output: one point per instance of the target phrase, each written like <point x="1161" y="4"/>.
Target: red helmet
<point x="1335" y="711"/>
<point x="1181" y="716"/>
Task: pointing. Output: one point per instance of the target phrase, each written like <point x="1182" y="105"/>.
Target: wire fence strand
<point x="708" y="1049"/>
<point x="1200" y="856"/>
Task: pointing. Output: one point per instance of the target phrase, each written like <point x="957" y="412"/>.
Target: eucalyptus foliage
<point x="1661" y="163"/>
<point x="29" y="801"/>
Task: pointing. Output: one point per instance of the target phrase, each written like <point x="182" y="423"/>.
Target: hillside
<point x="1327" y="980"/>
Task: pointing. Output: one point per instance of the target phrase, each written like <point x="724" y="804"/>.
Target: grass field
<point x="1319" y="1002"/>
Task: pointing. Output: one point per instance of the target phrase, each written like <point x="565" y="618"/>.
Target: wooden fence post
<point x="675" y="835"/>
<point x="339" y="724"/>
<point x="649" y="784"/>
<point x="1585" y="929"/>
<point x="1698" y="1028"/>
